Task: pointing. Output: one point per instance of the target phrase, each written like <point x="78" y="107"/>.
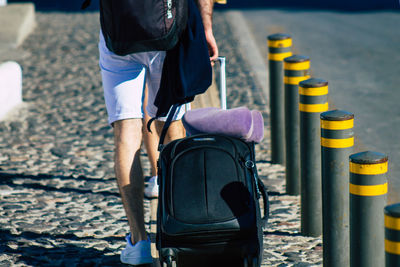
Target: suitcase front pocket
<point x="207" y="186"/>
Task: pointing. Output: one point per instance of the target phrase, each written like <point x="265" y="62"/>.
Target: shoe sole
<point x="131" y="264"/>
<point x="150" y="197"/>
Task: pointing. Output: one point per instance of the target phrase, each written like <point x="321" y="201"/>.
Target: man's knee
<point x="128" y="131"/>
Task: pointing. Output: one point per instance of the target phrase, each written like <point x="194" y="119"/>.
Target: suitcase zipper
<point x="249" y="164"/>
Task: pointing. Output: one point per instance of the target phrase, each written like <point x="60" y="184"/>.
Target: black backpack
<point x="132" y="26"/>
<point x="209" y="201"/>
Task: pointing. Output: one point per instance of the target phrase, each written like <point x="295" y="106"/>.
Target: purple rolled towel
<point x="258" y="127"/>
<point x="234" y="122"/>
<point x="238" y="122"/>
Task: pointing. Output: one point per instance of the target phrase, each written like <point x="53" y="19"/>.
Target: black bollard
<point x="313" y="100"/>
<point x="297" y="69"/>
<point x="279" y="47"/>
<point x="368" y="189"/>
<point x="337" y="140"/>
<point x="392" y="235"/>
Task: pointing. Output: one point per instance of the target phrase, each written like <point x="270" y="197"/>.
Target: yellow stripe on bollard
<point x="337" y="143"/>
<point x="314" y="91"/>
<point x="279" y="56"/>
<point x="337" y="125"/>
<point x="392" y="222"/>
<point x="392" y="247"/>
<point x="313" y="107"/>
<point x="280" y="43"/>
<point x="295" y="80"/>
<point x="297" y="66"/>
<point x="368" y="190"/>
<point x="369" y="169"/>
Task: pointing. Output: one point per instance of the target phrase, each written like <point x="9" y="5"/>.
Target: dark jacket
<point x="187" y="69"/>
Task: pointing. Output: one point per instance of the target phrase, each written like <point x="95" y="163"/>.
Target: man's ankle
<point x="138" y="237"/>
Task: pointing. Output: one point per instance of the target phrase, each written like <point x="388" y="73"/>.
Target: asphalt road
<point x="359" y="54"/>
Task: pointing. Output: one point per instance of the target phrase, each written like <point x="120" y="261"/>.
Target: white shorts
<point x="124" y="79"/>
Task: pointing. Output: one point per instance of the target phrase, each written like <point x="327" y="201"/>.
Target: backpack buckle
<point x="249" y="164"/>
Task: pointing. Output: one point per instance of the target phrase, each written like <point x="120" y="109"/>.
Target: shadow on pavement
<point x="281" y="233"/>
<point x="33" y="182"/>
<point x="26" y="246"/>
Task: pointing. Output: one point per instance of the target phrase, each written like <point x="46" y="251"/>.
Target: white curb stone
<point x="10" y="86"/>
<point x="17" y="21"/>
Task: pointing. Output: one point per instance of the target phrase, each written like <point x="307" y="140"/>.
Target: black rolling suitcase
<point x="208" y="212"/>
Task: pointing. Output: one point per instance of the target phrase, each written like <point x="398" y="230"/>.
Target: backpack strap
<point x="264" y="195"/>
<point x="85" y="4"/>
<point x="166" y="126"/>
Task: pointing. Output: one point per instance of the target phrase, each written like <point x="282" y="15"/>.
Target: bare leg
<point x="150" y="139"/>
<point x="175" y="130"/>
<point x="128" y="170"/>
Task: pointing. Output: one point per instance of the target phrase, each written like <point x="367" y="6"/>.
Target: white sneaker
<point x="137" y="254"/>
<point x="151" y="189"/>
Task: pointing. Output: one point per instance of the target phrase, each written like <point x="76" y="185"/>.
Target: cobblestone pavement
<point x="59" y="203"/>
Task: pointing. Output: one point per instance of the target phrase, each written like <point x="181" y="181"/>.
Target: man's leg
<point x="150" y="139"/>
<point x="123" y="83"/>
<point x="128" y="170"/>
<point x="175" y="130"/>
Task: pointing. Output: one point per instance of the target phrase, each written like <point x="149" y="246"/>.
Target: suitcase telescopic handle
<point x="222" y="81"/>
<point x="222" y="84"/>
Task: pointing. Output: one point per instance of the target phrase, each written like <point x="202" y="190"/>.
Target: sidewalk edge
<point x="250" y="51"/>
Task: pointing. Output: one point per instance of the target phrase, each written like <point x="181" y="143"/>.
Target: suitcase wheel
<point x="169" y="262"/>
<point x="250" y="262"/>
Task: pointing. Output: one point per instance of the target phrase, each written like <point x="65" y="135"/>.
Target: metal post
<point x="279" y="47"/>
<point x="313" y="100"/>
<point x="297" y="69"/>
<point x="222" y="78"/>
<point x="368" y="188"/>
<point x="392" y="235"/>
<point x="337" y="140"/>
